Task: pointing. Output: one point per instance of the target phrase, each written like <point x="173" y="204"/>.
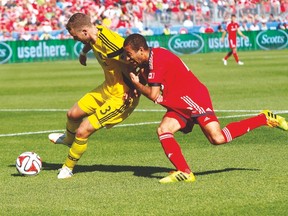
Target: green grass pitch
<point x="119" y="173"/>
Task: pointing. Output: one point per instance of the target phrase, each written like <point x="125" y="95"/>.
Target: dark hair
<point x="78" y="20"/>
<point x="136" y="41"/>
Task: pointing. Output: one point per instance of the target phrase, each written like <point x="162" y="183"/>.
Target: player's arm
<point x="223" y="36"/>
<point x="151" y="92"/>
<point x="241" y="34"/>
<point x="83" y="53"/>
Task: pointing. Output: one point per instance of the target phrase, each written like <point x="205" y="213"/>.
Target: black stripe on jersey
<point x="154" y="84"/>
<point x="128" y="82"/>
<point x="112" y="114"/>
<point x="108" y="43"/>
<point x="116" y="53"/>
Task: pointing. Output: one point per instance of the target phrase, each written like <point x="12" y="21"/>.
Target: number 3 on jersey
<point x="104" y="111"/>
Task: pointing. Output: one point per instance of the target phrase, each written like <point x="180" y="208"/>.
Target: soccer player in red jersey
<point x="232" y="28"/>
<point x="187" y="100"/>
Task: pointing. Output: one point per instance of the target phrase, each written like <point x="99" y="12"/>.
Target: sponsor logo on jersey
<point x="272" y="40"/>
<point x="5" y="52"/>
<point x="186" y="44"/>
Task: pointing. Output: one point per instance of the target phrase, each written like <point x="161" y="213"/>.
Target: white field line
<point x="122" y="125"/>
<point x="136" y="110"/>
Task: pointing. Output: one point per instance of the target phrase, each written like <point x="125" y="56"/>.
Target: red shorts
<point x="188" y="124"/>
<point x="232" y="43"/>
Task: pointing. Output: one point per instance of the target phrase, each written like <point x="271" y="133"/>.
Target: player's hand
<point x="129" y="96"/>
<point x="83" y="59"/>
<point x="134" y="78"/>
<point x="222" y="40"/>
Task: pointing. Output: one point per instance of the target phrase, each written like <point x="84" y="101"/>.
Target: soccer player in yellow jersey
<point x="106" y="105"/>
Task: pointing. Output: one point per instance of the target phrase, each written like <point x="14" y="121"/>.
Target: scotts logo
<point x="272" y="39"/>
<point x="5" y="53"/>
<point x="186" y="43"/>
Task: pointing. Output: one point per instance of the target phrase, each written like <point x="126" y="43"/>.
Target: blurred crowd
<point x="45" y="19"/>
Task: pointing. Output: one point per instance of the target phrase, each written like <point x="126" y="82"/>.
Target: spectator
<point x="221" y="5"/>
<point x="209" y="29"/>
<point x="281" y="26"/>
<point x="220" y="28"/>
<point x="6" y="36"/>
<point x="244" y="26"/>
<point x="46" y="36"/>
<point x="25" y="35"/>
<point x="263" y="26"/>
<point x="271" y="18"/>
<point x="147" y="32"/>
<point x="188" y="22"/>
<point x="183" y="30"/>
<point x="166" y="30"/>
<point x="30" y="15"/>
<point x="206" y="11"/>
<point x="254" y="26"/>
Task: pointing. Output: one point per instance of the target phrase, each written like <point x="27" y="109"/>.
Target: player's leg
<point x="217" y="136"/>
<point x="108" y="114"/>
<point x="226" y="57"/>
<point x="232" y="45"/>
<point x="84" y="107"/>
<point x="74" y="119"/>
<point x="77" y="149"/>
<point x="236" y="57"/>
<point x="171" y="123"/>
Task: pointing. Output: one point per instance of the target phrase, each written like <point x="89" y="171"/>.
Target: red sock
<point x="236" y="129"/>
<point x="236" y="56"/>
<point x="173" y="152"/>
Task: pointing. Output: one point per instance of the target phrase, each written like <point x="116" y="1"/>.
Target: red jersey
<point x="232" y="28"/>
<point x="181" y="89"/>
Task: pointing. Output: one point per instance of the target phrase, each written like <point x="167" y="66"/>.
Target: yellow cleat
<point x="274" y="120"/>
<point x="178" y="176"/>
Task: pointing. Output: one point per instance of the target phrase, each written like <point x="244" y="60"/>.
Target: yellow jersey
<point x="108" y="49"/>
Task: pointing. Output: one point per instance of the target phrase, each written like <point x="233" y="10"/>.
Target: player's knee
<point x="161" y="130"/>
<point x="85" y="130"/>
<point x="73" y="114"/>
<point x="216" y="140"/>
<point x="82" y="133"/>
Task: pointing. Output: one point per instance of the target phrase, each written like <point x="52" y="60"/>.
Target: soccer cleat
<point x="224" y="62"/>
<point x="64" y="173"/>
<point x="240" y="63"/>
<point x="274" y="120"/>
<point x="178" y="176"/>
<point x="58" y="138"/>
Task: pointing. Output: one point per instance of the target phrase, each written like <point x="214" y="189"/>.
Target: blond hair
<point x="78" y="20"/>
